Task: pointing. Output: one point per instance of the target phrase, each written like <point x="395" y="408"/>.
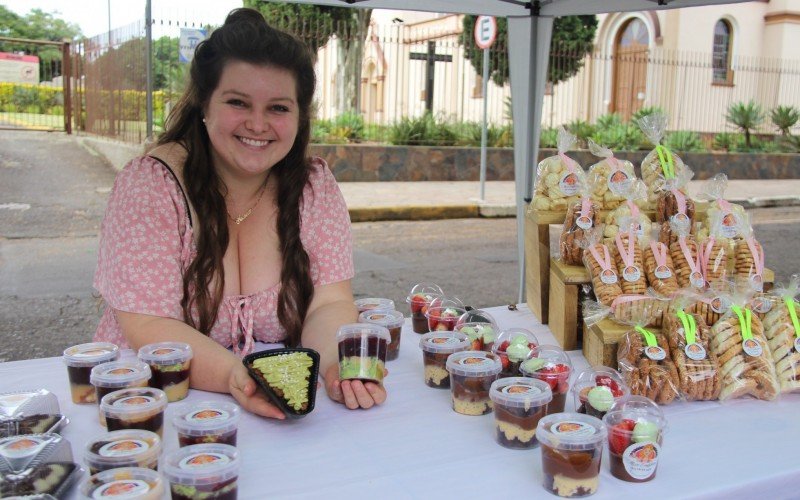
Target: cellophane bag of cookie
<point x="631" y="210"/>
<point x="688" y="336"/>
<point x="629" y="259"/>
<point x="559" y="178"/>
<point x="645" y="363"/>
<point x="659" y="268"/>
<point x="782" y="330"/>
<point x="731" y="214"/>
<point x="743" y="353"/>
<point x="710" y="304"/>
<point x="714" y="252"/>
<point x="687" y="258"/>
<point x="627" y="309"/>
<point x="748" y="258"/>
<point x="660" y="164"/>
<point x="599" y="262"/>
<point x="582" y="216"/>
<point x="675" y="206"/>
<point x="610" y="177"/>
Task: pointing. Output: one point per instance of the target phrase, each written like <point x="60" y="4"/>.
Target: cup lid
<point x="522" y="392"/>
<point x="384" y="317"/>
<point x="122" y="447"/>
<point x="133" y="401"/>
<point x="425" y="291"/>
<point x="449" y="310"/>
<point x="373" y="303"/>
<point x="547" y="359"/>
<point x="28" y="402"/>
<point x="443" y="342"/>
<point x="201" y="464"/>
<point x="477" y="316"/>
<point x="29" y="450"/>
<point x="517" y="343"/>
<point x="165" y="353"/>
<point x="359" y="329"/>
<point x="90" y="354"/>
<point x="485" y="331"/>
<point x="570" y="431"/>
<point x="205" y="417"/>
<point x="473" y="364"/>
<point x="124" y="482"/>
<point x="119" y="373"/>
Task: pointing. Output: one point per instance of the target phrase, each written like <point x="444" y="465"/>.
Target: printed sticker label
<point x="573" y="428"/>
<point x="122" y="489"/>
<point x="569" y="184"/>
<point x="619" y="182"/>
<point x="655" y="353"/>
<point x="720" y="305"/>
<point x="584" y="222"/>
<point x="164" y="351"/>
<point x="124" y="448"/>
<point x="696" y="280"/>
<point x="752" y="348"/>
<point x="695" y="351"/>
<point x="797" y="344"/>
<point x="663" y="272"/>
<point x="608" y="276"/>
<point x="134" y="401"/>
<point x="202" y="460"/>
<point x="22" y="447"/>
<point x="528" y="390"/>
<point x="640" y="459"/>
<point x="631" y="274"/>
<point x="207" y="415"/>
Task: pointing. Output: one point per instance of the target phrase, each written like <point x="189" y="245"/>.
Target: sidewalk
<point x="372" y="201"/>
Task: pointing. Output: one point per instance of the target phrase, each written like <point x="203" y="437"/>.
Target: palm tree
<point x="745" y="117"/>
<point x="785" y="117"/>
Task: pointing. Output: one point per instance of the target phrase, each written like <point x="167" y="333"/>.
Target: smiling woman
<point x="227" y="232"/>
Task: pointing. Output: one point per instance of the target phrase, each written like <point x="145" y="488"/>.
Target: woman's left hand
<point x="353" y="393"/>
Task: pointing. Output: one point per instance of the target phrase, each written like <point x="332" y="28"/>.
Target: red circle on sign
<point x="485" y="31"/>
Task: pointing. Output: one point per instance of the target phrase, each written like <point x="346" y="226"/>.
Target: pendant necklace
<point x="241" y="218"/>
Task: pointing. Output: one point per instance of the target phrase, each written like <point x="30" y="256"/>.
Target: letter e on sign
<point x="485" y="31"/>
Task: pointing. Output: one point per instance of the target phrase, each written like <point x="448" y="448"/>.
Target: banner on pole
<point x="190" y="37"/>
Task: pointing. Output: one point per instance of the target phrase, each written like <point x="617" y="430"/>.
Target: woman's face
<point x="251" y="118"/>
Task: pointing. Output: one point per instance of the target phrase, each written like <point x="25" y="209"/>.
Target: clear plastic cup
<point x="116" y="375"/>
<point x="362" y="351"/>
<point x="480" y="327"/>
<point x="137" y="408"/>
<point x="519" y="404"/>
<point x="594" y="390"/>
<point x="436" y="348"/>
<point x="471" y="377"/>
<point x="80" y="359"/>
<point x="513" y="346"/>
<point x="391" y="320"/>
<point x="419" y="298"/>
<point x="371" y="303"/>
<point x="572" y="448"/>
<point x="126" y="448"/>
<point x="203" y="471"/>
<point x="130" y="483"/>
<point x="170" y="363"/>
<point x="550" y="364"/>
<point x="206" y="422"/>
<point x="635" y="433"/>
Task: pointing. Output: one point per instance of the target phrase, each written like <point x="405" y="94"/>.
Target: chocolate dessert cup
<point x="391" y="320"/>
<point x="596" y="389"/>
<point x="80" y="359"/>
<point x="126" y="448"/>
<point x="635" y="435"/>
<point x="203" y="471"/>
<point x="170" y="363"/>
<point x="419" y="299"/>
<point x="549" y="363"/>
<point x="137" y="408"/>
<point x="207" y="422"/>
<point x="362" y="351"/>
<point x="519" y="404"/>
<point x="116" y="375"/>
<point x="436" y="348"/>
<point x="471" y="377"/>
<point x="513" y="346"/>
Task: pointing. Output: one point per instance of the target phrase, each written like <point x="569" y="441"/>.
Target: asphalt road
<point x="52" y="197"/>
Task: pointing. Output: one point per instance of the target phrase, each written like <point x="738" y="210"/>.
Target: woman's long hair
<point x="246" y="37"/>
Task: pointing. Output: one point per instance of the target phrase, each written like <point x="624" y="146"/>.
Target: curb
<point x="422" y="212"/>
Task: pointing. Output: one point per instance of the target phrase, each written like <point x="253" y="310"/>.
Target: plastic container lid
<point x="429" y="290"/>
<point x="91" y="354"/>
<point x="165" y="353"/>
<point x="510" y="334"/>
<point x="571" y="431"/>
<point x="443" y="342"/>
<point x="206" y="417"/>
<point x="28" y="402"/>
<point x="354" y="330"/>
<point x="373" y="303"/>
<point x="520" y="392"/>
<point x="20" y="452"/>
<point x="473" y="364"/>
<point x="384" y="317"/>
<point x="127" y="403"/>
<point x="119" y="373"/>
<point x="129" y="483"/>
<point x="201" y="464"/>
<point x="589" y="376"/>
<point x="545" y="357"/>
<point x="123" y="447"/>
<point x="636" y="403"/>
<point x="477" y="316"/>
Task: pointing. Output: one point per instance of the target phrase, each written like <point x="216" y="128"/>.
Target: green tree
<point x="571" y="41"/>
<point x="784" y="118"/>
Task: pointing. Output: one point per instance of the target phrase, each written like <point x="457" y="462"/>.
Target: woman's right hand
<point x="243" y="388"/>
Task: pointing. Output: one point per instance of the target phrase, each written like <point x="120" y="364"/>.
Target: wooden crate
<point x="537" y="259"/>
<point x="565" y="282"/>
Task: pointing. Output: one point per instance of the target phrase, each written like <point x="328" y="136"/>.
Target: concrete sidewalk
<point x="371" y="201"/>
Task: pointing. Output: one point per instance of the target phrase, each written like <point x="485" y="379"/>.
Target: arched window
<point x="722" y="52"/>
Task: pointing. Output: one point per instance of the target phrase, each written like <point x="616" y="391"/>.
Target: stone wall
<point x="368" y="163"/>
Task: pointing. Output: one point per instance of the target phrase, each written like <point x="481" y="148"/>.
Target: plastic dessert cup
<point x="549" y="363"/>
<point x="362" y="351"/>
<point x="203" y="471"/>
<point x="635" y="434"/>
<point x="480" y="327"/>
<point x="80" y="359"/>
<point x="418" y="301"/>
<point x="443" y="314"/>
<point x="519" y="404"/>
<point x="128" y="448"/>
<point x="371" y="303"/>
<point x="471" y="377"/>
<point x="513" y="346"/>
<point x="436" y="348"/>
<point x="130" y="483"/>
<point x="170" y="363"/>
<point x="137" y="408"/>
<point x="116" y="375"/>
<point x="206" y="422"/>
<point x="391" y="320"/>
<point x="287" y="376"/>
<point x="572" y="447"/>
<point x="596" y="389"/>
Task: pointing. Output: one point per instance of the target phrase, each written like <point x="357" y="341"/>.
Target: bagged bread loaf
<point x="660" y="164"/>
<point x="629" y="260"/>
<point x="559" y="178"/>
<point x="782" y="330"/>
<point x="610" y="177"/>
<point x="630" y="210"/>
<point x="688" y="337"/>
<point x="582" y="216"/>
<point x="598" y="260"/>
<point x="646" y="365"/>
<point x="749" y="258"/>
<point x="687" y="259"/>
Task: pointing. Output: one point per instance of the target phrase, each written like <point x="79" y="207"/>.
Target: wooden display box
<point x="537" y="259"/>
<point x="563" y="308"/>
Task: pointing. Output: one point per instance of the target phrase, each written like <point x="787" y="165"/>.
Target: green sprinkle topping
<point x="288" y="375"/>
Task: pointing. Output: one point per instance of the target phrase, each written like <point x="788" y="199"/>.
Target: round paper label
<point x="91" y="353"/>
<point x="730" y="225"/>
<point x="655" y="353"/>
<point x="119" y="371"/>
<point x="572" y="428"/>
<point x="752" y="348"/>
<point x="207" y="415"/>
<point x="442" y="340"/>
<point x="720" y="305"/>
<point x="202" y="460"/>
<point x="640" y="459"/>
<point x="528" y="390"/>
<point x="584" y="222"/>
<point x="695" y="351"/>
<point x="164" y="351"/>
<point x="762" y="305"/>
<point x="133" y="401"/>
<point x="569" y="184"/>
<point x="757" y="281"/>
<point x="22" y="446"/>
<point x="124" y="448"/>
<point x="696" y="280"/>
<point x="663" y="272"/>
<point x="619" y="182"/>
<point x="680" y="220"/>
<point x="475" y="361"/>
<point x="797" y="344"/>
<point x="631" y="274"/>
<point x="124" y="488"/>
<point x="608" y="276"/>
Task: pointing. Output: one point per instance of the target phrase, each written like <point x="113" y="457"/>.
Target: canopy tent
<point x="530" y="25"/>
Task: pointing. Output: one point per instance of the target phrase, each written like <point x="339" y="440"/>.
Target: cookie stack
<point x="630" y="263"/>
<point x="698" y="370"/>
<point x="648" y="370"/>
<point x="581" y="217"/>
<point x="659" y="269"/>
<point x="605" y="282"/>
<point x="781" y="337"/>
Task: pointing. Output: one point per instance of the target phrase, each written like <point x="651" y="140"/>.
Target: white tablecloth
<point x="415" y="446"/>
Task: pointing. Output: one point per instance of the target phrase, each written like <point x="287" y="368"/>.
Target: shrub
<point x="548" y="138"/>
<point x="684" y="140"/>
<point x="424" y="130"/>
<point x="647" y="110"/>
<point x="582" y="130"/>
<point x="724" y="141"/>
<point x="349" y="126"/>
<point x="619" y="137"/>
<point x="745" y="117"/>
<point x="784" y="118"/>
<point x="608" y="121"/>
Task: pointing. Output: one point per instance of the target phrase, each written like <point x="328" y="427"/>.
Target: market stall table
<point x="415" y="446"/>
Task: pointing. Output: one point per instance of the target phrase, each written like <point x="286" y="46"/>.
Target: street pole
<point x="148" y="19"/>
<point x="483" y="129"/>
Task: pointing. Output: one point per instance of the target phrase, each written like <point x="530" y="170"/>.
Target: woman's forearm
<point x="319" y="330"/>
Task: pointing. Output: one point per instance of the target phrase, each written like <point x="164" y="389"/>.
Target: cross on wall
<point x="431" y="57"/>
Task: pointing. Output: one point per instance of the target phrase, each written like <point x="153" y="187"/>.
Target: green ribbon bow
<point x="649" y="338"/>
<point x="790" y="306"/>
<point x="689" y="326"/>
<point x="667" y="164"/>
<point x="745" y="321"/>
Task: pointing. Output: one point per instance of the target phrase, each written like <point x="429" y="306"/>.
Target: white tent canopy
<point x="530" y="25"/>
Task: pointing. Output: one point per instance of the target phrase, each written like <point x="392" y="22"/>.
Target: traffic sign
<point x="485" y="31"/>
